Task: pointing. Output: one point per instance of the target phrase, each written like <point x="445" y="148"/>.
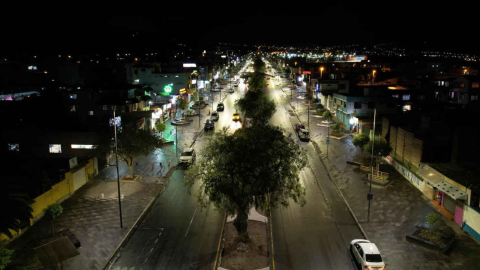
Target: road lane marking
<point x="191" y="222"/>
<point x="150" y="250"/>
<point x="156" y="240"/>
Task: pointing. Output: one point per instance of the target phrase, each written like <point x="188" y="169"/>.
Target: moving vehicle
<point x="220" y="107"/>
<point x="188" y="156"/>
<point x="302" y="133"/>
<point x="231" y="91"/>
<point x="367" y="255"/>
<point x="236" y="121"/>
<point x="214" y="116"/>
<point x="236" y="84"/>
<point x="209" y="125"/>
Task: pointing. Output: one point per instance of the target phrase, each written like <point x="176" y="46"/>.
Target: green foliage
<point x="182" y="104"/>
<point x="381" y="148"/>
<point x="54" y="210"/>
<point x="238" y="171"/>
<point x="16" y="212"/>
<point x="327" y="115"/>
<point x="336" y="128"/>
<point x="433" y="218"/>
<point x="25" y="259"/>
<point x="259" y="65"/>
<point x="5" y="256"/>
<point x="320" y="112"/>
<point x="360" y="140"/>
<point x="319" y="106"/>
<point x="257" y="82"/>
<point x="256" y="105"/>
<point x="161" y="127"/>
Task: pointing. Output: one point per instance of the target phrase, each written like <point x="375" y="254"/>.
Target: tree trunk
<point x="130" y="168"/>
<point x="240" y="224"/>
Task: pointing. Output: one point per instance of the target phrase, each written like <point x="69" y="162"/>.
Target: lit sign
<point x="167" y="88"/>
<point x="194" y="81"/>
<point x="224" y="56"/>
<point x="357" y="58"/>
<point x="183" y="91"/>
<point x="185" y="65"/>
<point x="306" y="72"/>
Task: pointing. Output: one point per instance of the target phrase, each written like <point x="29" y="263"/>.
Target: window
<point x="32" y="67"/>
<point x="14" y="147"/>
<point x="443" y="83"/>
<point x="394" y="96"/>
<point x="474" y="97"/>
<point x="406" y="97"/>
<point x="342" y="86"/>
<point x="360" y="251"/>
<point x="345" y="104"/>
<point x="357" y="105"/>
<point x="371" y="105"/>
<point x="475" y="85"/>
<point x="462" y="85"/>
<point x="462" y="96"/>
<point x="73" y="96"/>
<point x="83" y="146"/>
<point x="447" y="84"/>
<point x="373" y="258"/>
<point x="135" y="72"/>
<point x="55" y="148"/>
<point x="105" y="107"/>
<point x="90" y="113"/>
<point x="73" y="108"/>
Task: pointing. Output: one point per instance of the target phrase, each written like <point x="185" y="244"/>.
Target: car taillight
<point x="385" y="267"/>
<point x="366" y="267"/>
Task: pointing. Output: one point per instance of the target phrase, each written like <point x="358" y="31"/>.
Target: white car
<point x="188" y="156"/>
<point x="367" y="255"/>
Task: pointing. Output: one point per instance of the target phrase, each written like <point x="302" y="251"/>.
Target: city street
<point x="327" y="226"/>
<point x="176" y="233"/>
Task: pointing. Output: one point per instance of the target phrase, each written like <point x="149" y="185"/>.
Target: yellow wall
<point x="57" y="194"/>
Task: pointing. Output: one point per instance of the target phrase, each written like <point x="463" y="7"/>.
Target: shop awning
<point x="451" y="191"/>
<point x="430" y="175"/>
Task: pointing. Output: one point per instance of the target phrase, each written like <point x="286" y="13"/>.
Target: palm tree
<point x="16" y="212"/>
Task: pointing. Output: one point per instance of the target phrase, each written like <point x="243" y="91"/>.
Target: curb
<point x="317" y="149"/>
<point x="130" y="232"/>
<point x="221" y="246"/>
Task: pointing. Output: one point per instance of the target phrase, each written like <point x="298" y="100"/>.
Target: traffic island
<point x="439" y="240"/>
<point x="253" y="255"/>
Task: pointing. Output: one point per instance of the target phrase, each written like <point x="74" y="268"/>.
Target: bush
<point x="360" y="140"/>
<point x="433" y="218"/>
<point x="381" y="148"/>
<point x="25" y="259"/>
<point x="320" y="107"/>
<point x="336" y="128"/>
<point x="320" y="113"/>
<point x="5" y="256"/>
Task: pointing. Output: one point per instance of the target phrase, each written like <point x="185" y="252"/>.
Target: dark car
<point x="220" y="107"/>
<point x="209" y="125"/>
<point x="214" y="117"/>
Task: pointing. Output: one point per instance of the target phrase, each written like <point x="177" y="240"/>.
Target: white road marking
<point x="191" y="222"/>
<point x="150" y="250"/>
<point x="157" y="239"/>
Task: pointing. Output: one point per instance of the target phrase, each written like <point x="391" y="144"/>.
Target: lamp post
<point x="370" y="196"/>
<point x="373" y="76"/>
<point x="116" y="159"/>
<point x="321" y="73"/>
<point x="464" y="71"/>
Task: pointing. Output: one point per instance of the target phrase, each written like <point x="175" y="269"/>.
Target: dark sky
<point x="445" y="25"/>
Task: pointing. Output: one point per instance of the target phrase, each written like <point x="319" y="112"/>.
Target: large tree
<point x="132" y="143"/>
<point x="256" y="105"/>
<point x="16" y="212"/>
<point x="239" y="171"/>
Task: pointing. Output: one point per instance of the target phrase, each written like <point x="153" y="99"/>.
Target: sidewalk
<point x="92" y="213"/>
<point x="395" y="210"/>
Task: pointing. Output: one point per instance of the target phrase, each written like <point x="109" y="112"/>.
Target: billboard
<point x="356" y="58"/>
<point x="185" y="65"/>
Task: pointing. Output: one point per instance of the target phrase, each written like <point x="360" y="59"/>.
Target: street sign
<point x="328" y="141"/>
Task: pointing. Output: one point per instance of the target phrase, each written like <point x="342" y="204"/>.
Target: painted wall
<point x="57" y="194"/>
<point x="417" y="182"/>
<point x="471" y="222"/>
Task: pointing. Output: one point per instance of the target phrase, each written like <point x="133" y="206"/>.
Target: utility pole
<point x="328" y="136"/>
<point x="370" y="196"/>
<point x="176" y="141"/>
<point x="118" y="175"/>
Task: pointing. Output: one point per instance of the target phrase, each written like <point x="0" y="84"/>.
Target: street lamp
<point x="373" y="76"/>
<point x="321" y="73"/>
<point x="464" y="71"/>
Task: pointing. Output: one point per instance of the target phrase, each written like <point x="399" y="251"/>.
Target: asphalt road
<point x="317" y="235"/>
<point x="175" y="234"/>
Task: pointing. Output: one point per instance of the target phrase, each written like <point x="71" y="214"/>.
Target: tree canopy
<point x="256" y="105"/>
<point x="381" y="148"/>
<point x="17" y="211"/>
<point x="237" y="172"/>
<point x="360" y="140"/>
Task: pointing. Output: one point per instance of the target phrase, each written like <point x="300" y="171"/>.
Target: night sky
<point x="449" y="27"/>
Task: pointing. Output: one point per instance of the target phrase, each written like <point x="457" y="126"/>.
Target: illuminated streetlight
<point x="464" y="71"/>
<point x="321" y="73"/>
<point x="373" y="76"/>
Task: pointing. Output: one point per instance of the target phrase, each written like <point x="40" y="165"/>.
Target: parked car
<point x="214" y="116"/>
<point x="236" y="84"/>
<point x="302" y="133"/>
<point x="220" y="107"/>
<point x="188" y="156"/>
<point x="231" y="91"/>
<point x="367" y="255"/>
<point x="209" y="125"/>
